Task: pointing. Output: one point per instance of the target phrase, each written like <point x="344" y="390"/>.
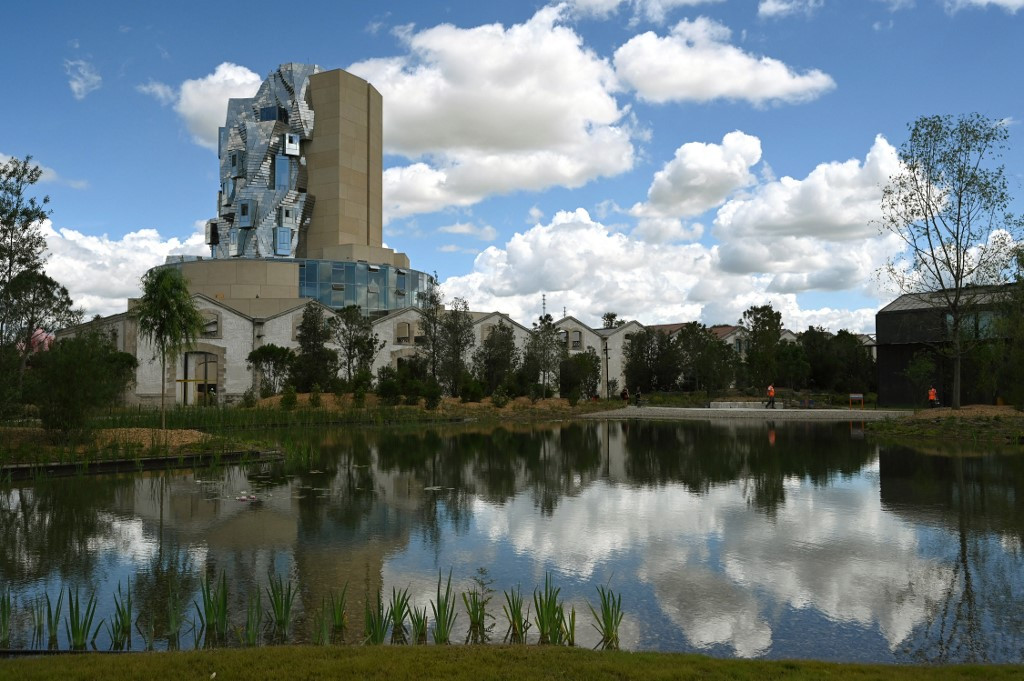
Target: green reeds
<point x="79" y="621"/>
<point x="148" y="632"/>
<point x="608" y="619"/>
<point x="549" y="614"/>
<point x="282" y="596"/>
<point x="5" y="619"/>
<point x="213" y="615"/>
<point x="569" y="628"/>
<point x="376" y="620"/>
<point x="251" y="634"/>
<point x="518" y="621"/>
<point x="120" y="625"/>
<point x="53" y="619"/>
<point x="476" y="601"/>
<point x="418" y="622"/>
<point x="339" y="618"/>
<point x="322" y="625"/>
<point x="38" y="610"/>
<point x="174" y="618"/>
<point x="444" y="612"/>
<point x="399" y="613"/>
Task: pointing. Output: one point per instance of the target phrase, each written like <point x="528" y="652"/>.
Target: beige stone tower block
<point x="344" y="161"/>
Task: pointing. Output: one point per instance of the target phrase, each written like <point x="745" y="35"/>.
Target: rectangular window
<point x="282" y="172"/>
<point x="284" y="241"/>
<point x="291" y="144"/>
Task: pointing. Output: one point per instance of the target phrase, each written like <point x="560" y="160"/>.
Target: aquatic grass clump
<point x="53" y="619"/>
<point x="418" y="621"/>
<point x="339" y="618"/>
<point x="282" y="597"/>
<point x="322" y="624"/>
<point x="174" y="618"/>
<point x="5" y="619"/>
<point x="213" y="615"/>
<point x="251" y="633"/>
<point x="609" y="618"/>
<point x="377" y="620"/>
<point x="79" y="621"/>
<point x="38" y="611"/>
<point x="399" y="613"/>
<point x="120" y="626"/>
<point x="549" y="614"/>
<point x="444" y="612"/>
<point x="476" y="601"/>
<point x="518" y="620"/>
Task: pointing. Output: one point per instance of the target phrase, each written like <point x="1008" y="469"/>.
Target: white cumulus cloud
<point x="701" y="176"/>
<point x="588" y="268"/>
<point x="494" y="109"/>
<point x="695" y="62"/>
<point x="101" y="273"/>
<point x="837" y="201"/>
<point x="202" y="103"/>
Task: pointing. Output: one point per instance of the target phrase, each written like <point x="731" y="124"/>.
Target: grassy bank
<point x="133" y="433"/>
<point x="395" y="663"/>
<point x="969" y="426"/>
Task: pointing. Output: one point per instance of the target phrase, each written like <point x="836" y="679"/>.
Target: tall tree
<point x="764" y="328"/>
<point x="21" y="250"/>
<point x="315" y="363"/>
<point x="497" y="358"/>
<point x="358" y="343"/>
<point x="454" y="341"/>
<point x="431" y="305"/>
<point x="652" y="361"/>
<point x="706" y="361"/>
<point x="817" y="345"/>
<point x="167" y="317"/>
<point x="948" y="205"/>
<point x="545" y="349"/>
<point x="38" y="306"/>
<point x="21" y="241"/>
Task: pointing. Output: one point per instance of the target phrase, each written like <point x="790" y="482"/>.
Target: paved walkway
<point x="683" y="413"/>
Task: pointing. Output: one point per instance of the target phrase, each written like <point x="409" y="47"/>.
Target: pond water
<point x="792" y="540"/>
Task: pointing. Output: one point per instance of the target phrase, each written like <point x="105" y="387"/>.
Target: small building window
<point x="283" y="241"/>
<point x="282" y="172"/>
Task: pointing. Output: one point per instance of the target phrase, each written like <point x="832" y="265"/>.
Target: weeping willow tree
<point x="948" y="204"/>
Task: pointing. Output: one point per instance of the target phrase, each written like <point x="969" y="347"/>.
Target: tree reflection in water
<point x="701" y="495"/>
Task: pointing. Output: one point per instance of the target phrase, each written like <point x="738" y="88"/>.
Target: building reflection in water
<point x="791" y="540"/>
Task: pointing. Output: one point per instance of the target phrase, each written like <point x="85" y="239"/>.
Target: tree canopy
<point x="167" y="316"/>
<point x="948" y="206"/>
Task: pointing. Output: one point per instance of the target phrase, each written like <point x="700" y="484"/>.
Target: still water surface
<point x="796" y="540"/>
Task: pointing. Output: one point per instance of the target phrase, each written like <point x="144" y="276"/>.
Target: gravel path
<point x="682" y="413"/>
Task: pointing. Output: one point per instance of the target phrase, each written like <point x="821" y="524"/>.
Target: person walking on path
<point x="636" y="396"/>
<point x="771" y="397"/>
<point x="933" y="397"/>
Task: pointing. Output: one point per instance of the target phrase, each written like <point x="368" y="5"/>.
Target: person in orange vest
<point x="933" y="397"/>
<point x="771" y="397"/>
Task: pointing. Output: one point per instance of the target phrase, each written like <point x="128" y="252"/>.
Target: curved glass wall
<point x="378" y="289"/>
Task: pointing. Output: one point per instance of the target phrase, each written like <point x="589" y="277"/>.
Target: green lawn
<point x="394" y="663"/>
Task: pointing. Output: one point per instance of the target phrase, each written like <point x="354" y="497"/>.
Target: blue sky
<point x="668" y="160"/>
